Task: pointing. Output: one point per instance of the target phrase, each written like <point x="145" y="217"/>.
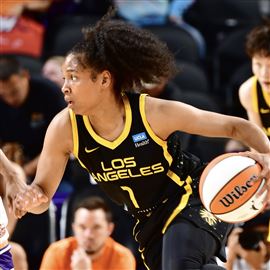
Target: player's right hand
<point x="25" y="201"/>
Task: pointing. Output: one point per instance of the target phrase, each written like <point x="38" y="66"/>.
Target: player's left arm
<point x="166" y="117"/>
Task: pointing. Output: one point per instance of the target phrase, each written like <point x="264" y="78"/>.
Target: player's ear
<point x="106" y="78"/>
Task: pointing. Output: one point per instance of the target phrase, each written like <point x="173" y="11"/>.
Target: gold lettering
<point x="146" y="171"/>
<point x="158" y="168"/>
<point x="133" y="175"/>
<point x="119" y="170"/>
<point x="103" y="167"/>
<point x="120" y="166"/>
<point x="101" y="177"/>
<point x="130" y="162"/>
<point x="95" y="178"/>
<point x="112" y="176"/>
<point x="122" y="174"/>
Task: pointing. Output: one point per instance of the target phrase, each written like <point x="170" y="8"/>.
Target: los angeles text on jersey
<point x="125" y="168"/>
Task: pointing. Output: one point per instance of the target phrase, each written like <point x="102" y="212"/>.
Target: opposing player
<point x="129" y="143"/>
<point x="5" y="255"/>
<point x="9" y="173"/>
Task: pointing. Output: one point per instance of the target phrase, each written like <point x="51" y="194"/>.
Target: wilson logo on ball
<point x="230" y="189"/>
<point x="237" y="192"/>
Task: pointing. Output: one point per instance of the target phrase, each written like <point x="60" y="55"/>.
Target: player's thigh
<point x="186" y="246"/>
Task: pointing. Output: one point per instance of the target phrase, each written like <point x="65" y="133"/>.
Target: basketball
<point x="228" y="191"/>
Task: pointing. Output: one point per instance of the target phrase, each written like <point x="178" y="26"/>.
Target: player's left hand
<point x="264" y="160"/>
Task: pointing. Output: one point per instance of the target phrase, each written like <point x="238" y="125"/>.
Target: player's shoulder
<point x="247" y="84"/>
<point x="62" y="118"/>
<point x="246" y="87"/>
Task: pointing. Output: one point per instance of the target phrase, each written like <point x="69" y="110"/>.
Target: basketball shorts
<point x="6" y="262"/>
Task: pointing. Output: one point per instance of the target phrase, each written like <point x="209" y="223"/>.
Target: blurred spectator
<point x="21" y="34"/>
<point x="90" y="8"/>
<point x="16" y="8"/>
<point x="52" y="69"/>
<point x="164" y="90"/>
<point x="91" y="247"/>
<point x="176" y="15"/>
<point x="216" y="19"/>
<point x="159" y="12"/>
<point x="248" y="245"/>
<point x="27" y="104"/>
<point x="143" y="12"/>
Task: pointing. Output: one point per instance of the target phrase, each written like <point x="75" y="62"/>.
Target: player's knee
<point x="19" y="256"/>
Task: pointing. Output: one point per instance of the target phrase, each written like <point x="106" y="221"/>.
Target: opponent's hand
<point x="15" y="182"/>
<point x="32" y="197"/>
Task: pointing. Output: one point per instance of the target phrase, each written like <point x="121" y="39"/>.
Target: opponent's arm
<point x="7" y="169"/>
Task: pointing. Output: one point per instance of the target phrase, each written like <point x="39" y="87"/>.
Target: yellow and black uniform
<point x="261" y="104"/>
<point x="153" y="179"/>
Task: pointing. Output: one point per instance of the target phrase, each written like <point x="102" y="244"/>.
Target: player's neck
<point x="109" y="123"/>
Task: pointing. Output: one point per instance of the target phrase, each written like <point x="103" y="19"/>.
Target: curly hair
<point x="258" y="40"/>
<point x="132" y="55"/>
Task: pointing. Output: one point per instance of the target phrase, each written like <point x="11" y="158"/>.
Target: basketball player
<point x="254" y="93"/>
<point x="129" y="143"/>
<point x="6" y="262"/>
<point x="8" y="173"/>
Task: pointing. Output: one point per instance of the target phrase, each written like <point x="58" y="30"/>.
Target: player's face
<point x="261" y="69"/>
<point x="14" y="90"/>
<point x="83" y="93"/>
<point x="91" y="229"/>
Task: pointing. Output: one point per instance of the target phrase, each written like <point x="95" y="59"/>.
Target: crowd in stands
<point x="208" y="41"/>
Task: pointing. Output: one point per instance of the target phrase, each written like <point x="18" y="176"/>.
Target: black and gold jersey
<point x="135" y="169"/>
<point x="261" y="105"/>
<point x="155" y="180"/>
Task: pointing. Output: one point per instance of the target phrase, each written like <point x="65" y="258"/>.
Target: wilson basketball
<point x="227" y="189"/>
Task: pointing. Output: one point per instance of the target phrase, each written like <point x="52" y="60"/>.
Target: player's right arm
<point x="51" y="166"/>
